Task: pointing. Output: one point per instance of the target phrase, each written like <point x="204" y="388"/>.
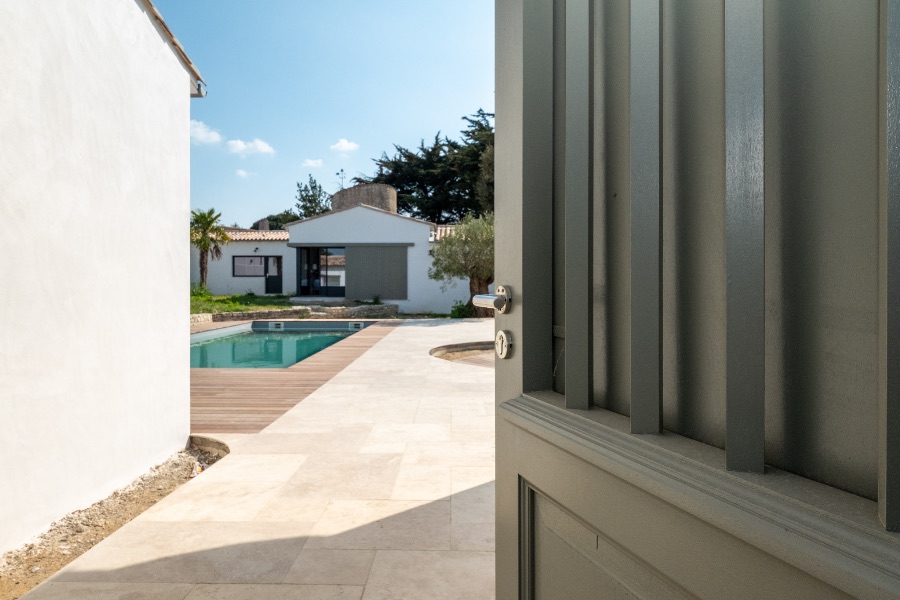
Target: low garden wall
<point x="366" y="311"/>
<point x="299" y="312"/>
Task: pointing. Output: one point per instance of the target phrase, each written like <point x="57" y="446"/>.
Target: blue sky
<point x="299" y="87"/>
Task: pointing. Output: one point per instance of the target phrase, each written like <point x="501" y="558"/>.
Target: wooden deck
<point x="248" y="400"/>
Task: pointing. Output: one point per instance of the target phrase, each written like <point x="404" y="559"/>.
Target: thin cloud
<point x="243" y="148"/>
<point x="345" y="145"/>
<point x="243" y="174"/>
<point x="201" y="133"/>
<point x="313" y="163"/>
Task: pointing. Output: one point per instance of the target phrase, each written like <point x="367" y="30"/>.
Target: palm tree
<point x="208" y="234"/>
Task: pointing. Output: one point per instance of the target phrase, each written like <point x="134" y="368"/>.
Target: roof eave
<point x="197" y="83"/>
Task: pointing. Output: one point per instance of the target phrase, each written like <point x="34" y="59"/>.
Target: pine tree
<point x="312" y="199"/>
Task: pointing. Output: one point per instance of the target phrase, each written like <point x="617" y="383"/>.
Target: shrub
<point x="462" y="310"/>
<point x="199" y="291"/>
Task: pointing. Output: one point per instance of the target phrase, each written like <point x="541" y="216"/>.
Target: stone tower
<point x="377" y="195"/>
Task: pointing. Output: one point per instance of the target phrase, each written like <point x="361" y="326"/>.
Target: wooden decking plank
<point x="248" y="400"/>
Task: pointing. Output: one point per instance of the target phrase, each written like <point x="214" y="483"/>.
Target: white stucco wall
<point x="94" y="196"/>
<point x="362" y="225"/>
<point x="219" y="279"/>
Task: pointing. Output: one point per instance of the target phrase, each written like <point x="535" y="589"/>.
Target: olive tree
<point x="467" y="252"/>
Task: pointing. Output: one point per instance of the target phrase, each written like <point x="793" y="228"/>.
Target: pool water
<point x="261" y="350"/>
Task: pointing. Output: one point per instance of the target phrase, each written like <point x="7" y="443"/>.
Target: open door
<point x="694" y="401"/>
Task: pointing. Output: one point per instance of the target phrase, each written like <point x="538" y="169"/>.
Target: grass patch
<point x="207" y="303"/>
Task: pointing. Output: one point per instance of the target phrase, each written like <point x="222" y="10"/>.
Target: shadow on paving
<point x="372" y="549"/>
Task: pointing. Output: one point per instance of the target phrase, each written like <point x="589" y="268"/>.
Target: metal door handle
<point x="500" y="301"/>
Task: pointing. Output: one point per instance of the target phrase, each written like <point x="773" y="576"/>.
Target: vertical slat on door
<point x="578" y="245"/>
<point x="889" y="422"/>
<point x="533" y="250"/>
<point x="744" y="237"/>
<point x="646" y="407"/>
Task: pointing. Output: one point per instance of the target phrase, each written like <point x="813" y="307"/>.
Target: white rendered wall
<point x="362" y="225"/>
<point x="94" y="196"/>
<point x="219" y="279"/>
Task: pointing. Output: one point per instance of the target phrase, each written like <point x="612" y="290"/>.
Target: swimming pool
<point x="257" y="347"/>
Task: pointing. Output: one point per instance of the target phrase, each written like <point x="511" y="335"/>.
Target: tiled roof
<point x="440" y="232"/>
<point x="252" y="235"/>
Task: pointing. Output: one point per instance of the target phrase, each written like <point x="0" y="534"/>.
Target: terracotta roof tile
<point x="252" y="235"/>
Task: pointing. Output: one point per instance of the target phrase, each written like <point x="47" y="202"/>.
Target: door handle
<point x="501" y="301"/>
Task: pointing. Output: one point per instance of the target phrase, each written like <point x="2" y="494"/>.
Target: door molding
<point x="830" y="534"/>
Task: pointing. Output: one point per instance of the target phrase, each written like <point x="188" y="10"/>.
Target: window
<point x="248" y="266"/>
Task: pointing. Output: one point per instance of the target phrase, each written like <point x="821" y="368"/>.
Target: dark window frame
<point x="263" y="266"/>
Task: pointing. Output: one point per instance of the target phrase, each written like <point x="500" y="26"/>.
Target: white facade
<point x="220" y="279"/>
<point x="366" y="225"/>
<point x="94" y="196"/>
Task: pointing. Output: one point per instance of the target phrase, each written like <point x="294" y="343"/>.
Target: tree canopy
<point x="467" y="252"/>
<point x="278" y="221"/>
<point x="312" y="199"/>
<point x="208" y="235"/>
<point x="444" y="180"/>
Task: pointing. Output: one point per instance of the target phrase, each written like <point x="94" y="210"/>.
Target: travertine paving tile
<point x="416" y="432"/>
<point x="342" y="438"/>
<point x="474" y="505"/>
<point x="422" y="482"/>
<point x="472" y="536"/>
<point x="378" y="524"/>
<point x="347" y="567"/>
<point x="254" y="468"/>
<point x="213" y="501"/>
<point x="286" y="506"/>
<point x="469" y="476"/>
<point x="450" y="454"/>
<point x="384" y="448"/>
<point x="184" y="552"/>
<point x="110" y="591"/>
<point x="346" y="476"/>
<point x="275" y="592"/>
<point x="404" y="575"/>
<point x="429" y="412"/>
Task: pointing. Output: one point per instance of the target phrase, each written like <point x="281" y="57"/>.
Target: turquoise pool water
<point x="261" y="350"/>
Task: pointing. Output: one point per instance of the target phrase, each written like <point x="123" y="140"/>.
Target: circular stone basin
<point x="458" y="351"/>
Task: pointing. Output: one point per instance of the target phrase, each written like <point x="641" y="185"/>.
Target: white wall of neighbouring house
<point x="94" y="249"/>
<point x="363" y="225"/>
<point x="220" y="280"/>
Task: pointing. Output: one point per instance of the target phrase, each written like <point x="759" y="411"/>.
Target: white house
<point x="254" y="261"/>
<point x="94" y="364"/>
<point x="361" y="252"/>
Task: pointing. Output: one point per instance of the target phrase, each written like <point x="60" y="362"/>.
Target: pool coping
<point x="307" y="325"/>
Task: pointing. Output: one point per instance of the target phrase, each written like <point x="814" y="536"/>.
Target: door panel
<point x="639" y="309"/>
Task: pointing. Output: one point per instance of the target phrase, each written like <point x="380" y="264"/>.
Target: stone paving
<point x="379" y="485"/>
